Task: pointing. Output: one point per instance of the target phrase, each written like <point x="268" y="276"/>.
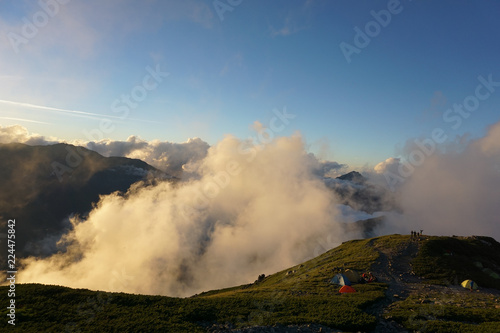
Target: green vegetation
<point x="304" y="296"/>
<point x="437" y="312"/>
<point x="447" y="261"/>
<point x="61" y="309"/>
<point x="450" y="260"/>
<point x="299" y="295"/>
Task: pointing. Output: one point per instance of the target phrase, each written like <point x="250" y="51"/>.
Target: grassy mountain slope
<point x="454" y="259"/>
<point x="300" y="295"/>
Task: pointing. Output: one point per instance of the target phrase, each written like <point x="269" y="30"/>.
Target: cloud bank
<point x="18" y="133"/>
<point x="171" y="157"/>
<point x="456" y="190"/>
<point x="167" y="156"/>
<point x="257" y="209"/>
<point x="253" y="210"/>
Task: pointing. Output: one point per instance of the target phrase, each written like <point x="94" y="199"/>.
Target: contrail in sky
<point x="72" y="112"/>
<point x="27" y="120"/>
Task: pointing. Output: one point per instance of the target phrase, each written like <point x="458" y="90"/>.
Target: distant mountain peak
<point x="354" y="177"/>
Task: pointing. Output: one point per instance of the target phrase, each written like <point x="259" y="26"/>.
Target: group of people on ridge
<point x="416" y="235"/>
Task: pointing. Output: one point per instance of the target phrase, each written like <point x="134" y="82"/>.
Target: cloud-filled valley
<point x="238" y="210"/>
<point x="246" y="214"/>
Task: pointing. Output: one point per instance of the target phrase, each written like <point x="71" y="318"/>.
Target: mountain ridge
<point x="51" y="182"/>
<point x="413" y="292"/>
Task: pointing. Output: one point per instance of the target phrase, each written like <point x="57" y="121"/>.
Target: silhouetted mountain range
<point x="354" y="177"/>
<point x="43" y="185"/>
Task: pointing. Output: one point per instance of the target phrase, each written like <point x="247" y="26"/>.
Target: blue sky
<point x="226" y="74"/>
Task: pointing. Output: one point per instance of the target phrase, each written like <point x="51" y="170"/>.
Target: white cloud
<point x="350" y="215"/>
<point x="18" y="133"/>
<point x="330" y="168"/>
<point x="170" y="157"/>
<point x="389" y="165"/>
<point x="454" y="191"/>
<point x="250" y="213"/>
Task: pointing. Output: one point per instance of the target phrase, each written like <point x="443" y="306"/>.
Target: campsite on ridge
<point x="416" y="289"/>
<point x="246" y="166"/>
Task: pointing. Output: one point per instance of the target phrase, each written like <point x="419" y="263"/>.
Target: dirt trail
<point x="394" y="268"/>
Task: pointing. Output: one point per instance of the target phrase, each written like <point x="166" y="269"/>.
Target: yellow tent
<point x="469" y="284"/>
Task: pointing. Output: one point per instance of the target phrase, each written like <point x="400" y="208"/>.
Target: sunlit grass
<point x="298" y="295"/>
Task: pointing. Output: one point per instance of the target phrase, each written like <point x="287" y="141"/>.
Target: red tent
<point x="347" y="289"/>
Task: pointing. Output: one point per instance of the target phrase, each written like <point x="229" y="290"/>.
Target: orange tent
<point x="347" y="289"/>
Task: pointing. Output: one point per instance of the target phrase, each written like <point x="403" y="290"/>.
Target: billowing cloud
<point x="254" y="210"/>
<point x="452" y="191"/>
<point x="171" y="157"/>
<point x="329" y="168"/>
<point x="490" y="145"/>
<point x="389" y="165"/>
<point x="167" y="156"/>
<point x="385" y="173"/>
<point x="350" y="215"/>
<point x="18" y="133"/>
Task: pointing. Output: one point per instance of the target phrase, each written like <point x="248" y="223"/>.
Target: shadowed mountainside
<point x="43" y="185"/>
